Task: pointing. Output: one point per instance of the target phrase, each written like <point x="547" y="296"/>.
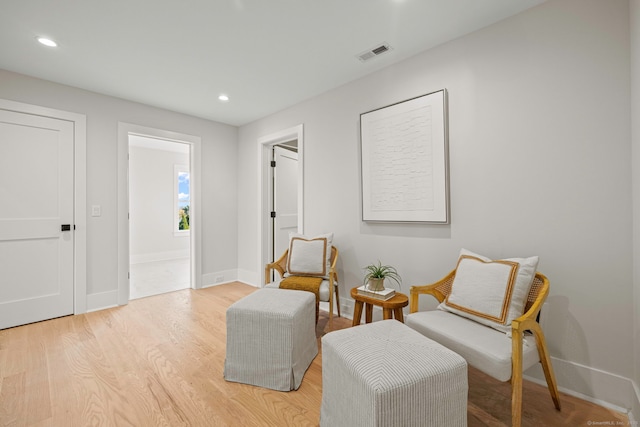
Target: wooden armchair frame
<point x="280" y="265"/>
<point x="527" y="322"/>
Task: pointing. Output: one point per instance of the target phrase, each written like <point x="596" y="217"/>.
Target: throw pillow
<point x="309" y="256"/>
<point x="491" y="292"/>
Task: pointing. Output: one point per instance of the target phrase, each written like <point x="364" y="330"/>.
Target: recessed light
<point x="223" y="98"/>
<point x="47" y="42"/>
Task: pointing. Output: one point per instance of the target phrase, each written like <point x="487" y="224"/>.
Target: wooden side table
<point x="390" y="308"/>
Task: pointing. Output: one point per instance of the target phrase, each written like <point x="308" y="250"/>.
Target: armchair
<point x="487" y="349"/>
<point x="328" y="288"/>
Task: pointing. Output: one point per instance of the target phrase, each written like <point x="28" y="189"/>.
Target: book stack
<point x="383" y="295"/>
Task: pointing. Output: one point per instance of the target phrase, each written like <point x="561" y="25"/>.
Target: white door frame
<point x="79" y="192"/>
<point x="265" y="144"/>
<point x="124" y="129"/>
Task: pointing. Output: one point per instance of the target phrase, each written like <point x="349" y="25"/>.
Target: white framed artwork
<point x="404" y="153"/>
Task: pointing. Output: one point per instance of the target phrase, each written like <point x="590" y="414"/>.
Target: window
<point x="182" y="199"/>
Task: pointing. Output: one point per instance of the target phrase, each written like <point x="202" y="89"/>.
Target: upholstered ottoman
<point x="386" y="374"/>
<point x="271" y="338"/>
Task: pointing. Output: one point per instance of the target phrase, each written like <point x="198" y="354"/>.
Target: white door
<point x="36" y="204"/>
<point x="285" y="198"/>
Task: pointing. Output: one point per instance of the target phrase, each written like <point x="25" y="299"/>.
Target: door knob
<point x="65" y="227"/>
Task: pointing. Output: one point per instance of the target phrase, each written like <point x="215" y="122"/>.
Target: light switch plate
<point x="96" y="210"/>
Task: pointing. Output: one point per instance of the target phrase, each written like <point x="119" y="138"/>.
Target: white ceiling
<point x="265" y="54"/>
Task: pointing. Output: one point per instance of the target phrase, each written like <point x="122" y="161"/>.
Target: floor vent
<point x="372" y="53"/>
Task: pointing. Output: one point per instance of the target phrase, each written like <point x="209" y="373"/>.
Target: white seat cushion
<point x="482" y="347"/>
<point x="324" y="288"/>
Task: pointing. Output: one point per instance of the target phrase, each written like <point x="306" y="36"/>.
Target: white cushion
<point x="484" y="348"/>
<point x="323" y="291"/>
<point x="309" y="256"/>
<point x="492" y="292"/>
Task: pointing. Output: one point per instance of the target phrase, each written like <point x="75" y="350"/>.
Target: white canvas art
<point x="404" y="161"/>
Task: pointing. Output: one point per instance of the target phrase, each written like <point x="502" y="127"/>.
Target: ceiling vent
<point x="372" y="53"/>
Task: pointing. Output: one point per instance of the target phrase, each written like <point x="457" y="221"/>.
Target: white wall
<point x="540" y="133"/>
<point x="152" y="205"/>
<point x="219" y="195"/>
<point x="635" y="141"/>
<point x="539" y="157"/>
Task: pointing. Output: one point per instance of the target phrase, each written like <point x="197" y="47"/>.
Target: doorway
<point x="159" y="217"/>
<point x="195" y="240"/>
<point x="266" y="229"/>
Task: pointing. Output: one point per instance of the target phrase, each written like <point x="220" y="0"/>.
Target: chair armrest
<point x="333" y="273"/>
<point x="279" y="265"/>
<point x="439" y="290"/>
<point x="529" y="319"/>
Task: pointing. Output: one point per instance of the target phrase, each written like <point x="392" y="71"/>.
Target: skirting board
<point x="219" y="278"/>
<point x="634" y="414"/>
<point x="249" y="277"/>
<point x="344" y="311"/>
<point x="594" y="385"/>
<point x="102" y="300"/>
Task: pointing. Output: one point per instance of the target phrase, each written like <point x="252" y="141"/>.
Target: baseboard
<point x="346" y="308"/>
<point x="249" y="277"/>
<point x="324" y="306"/>
<point x="634" y="413"/>
<point x="102" y="300"/>
<point x="594" y="385"/>
<point x="219" y="278"/>
<point x="109" y="299"/>
<point x="158" y="256"/>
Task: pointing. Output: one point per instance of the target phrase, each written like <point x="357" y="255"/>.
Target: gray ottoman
<point x="386" y="374"/>
<point x="271" y="338"/>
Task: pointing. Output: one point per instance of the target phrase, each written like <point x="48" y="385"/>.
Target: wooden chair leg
<point x="545" y="360"/>
<point x="337" y="299"/>
<point x="330" y="305"/>
<point x="516" y="379"/>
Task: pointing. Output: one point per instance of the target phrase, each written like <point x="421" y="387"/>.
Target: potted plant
<point x="376" y="273"/>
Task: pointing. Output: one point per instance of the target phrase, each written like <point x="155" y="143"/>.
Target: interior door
<point x="36" y="206"/>
<point x="285" y="198"/>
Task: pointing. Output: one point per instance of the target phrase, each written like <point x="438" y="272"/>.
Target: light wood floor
<point x="159" y="362"/>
